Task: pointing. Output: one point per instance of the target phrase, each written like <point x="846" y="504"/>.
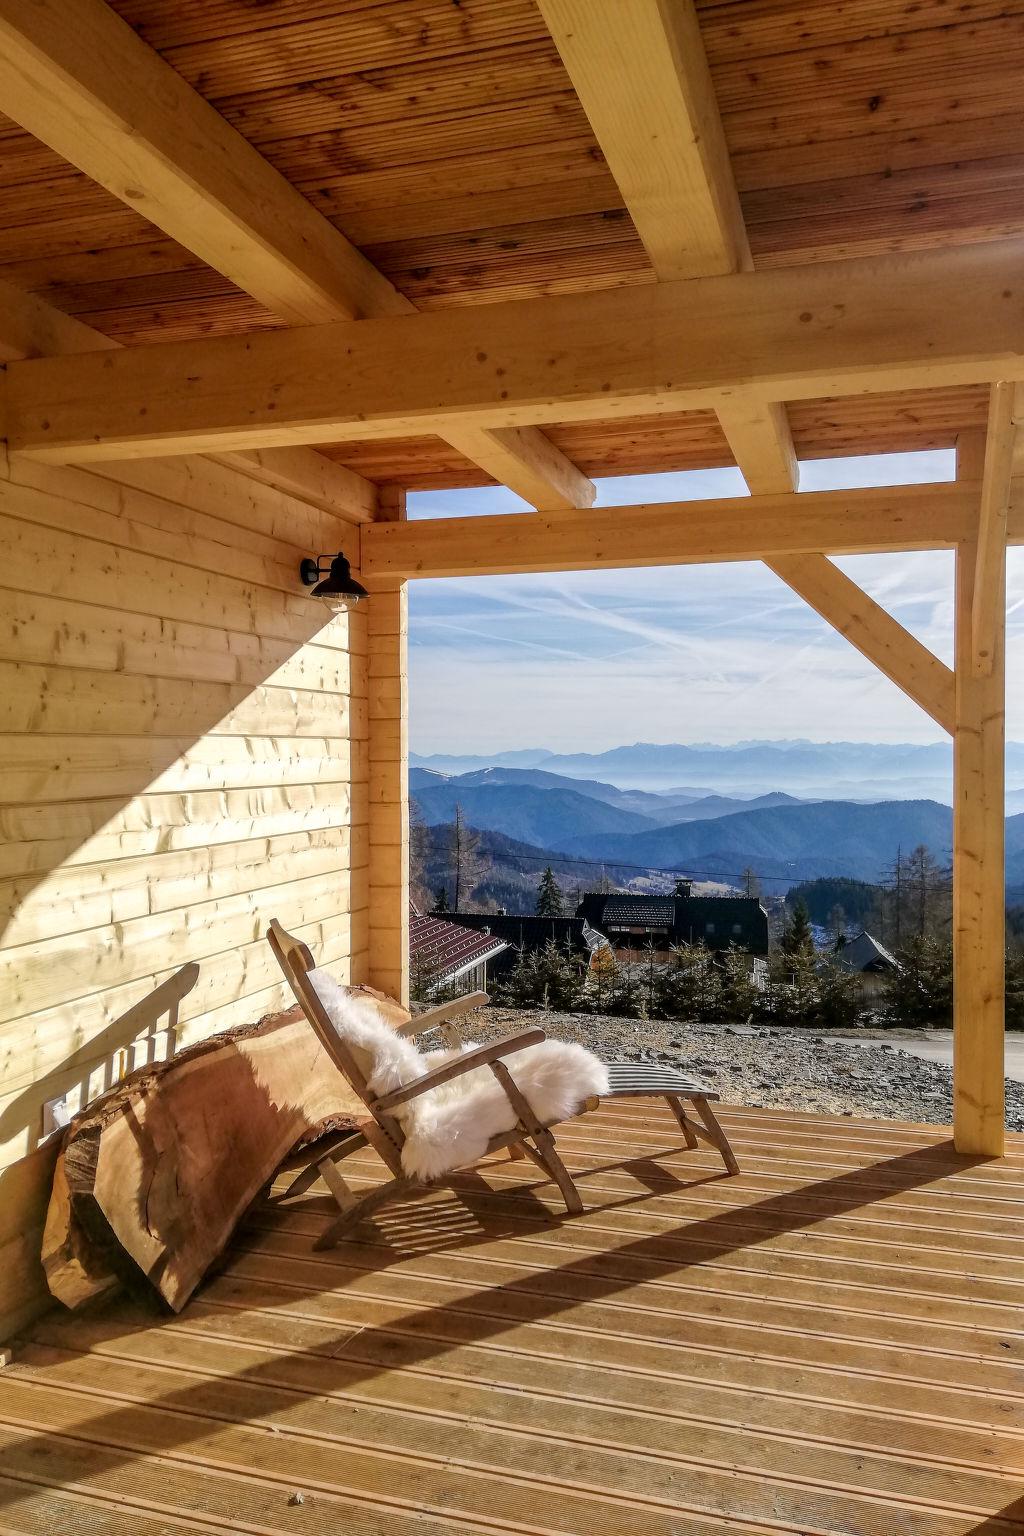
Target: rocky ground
<point x="776" y="1068"/>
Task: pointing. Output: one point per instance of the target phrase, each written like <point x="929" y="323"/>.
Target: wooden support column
<point x="979" y="896"/>
<point x="389" y="774"/>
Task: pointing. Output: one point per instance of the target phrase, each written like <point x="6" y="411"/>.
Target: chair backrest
<point x="296" y="961"/>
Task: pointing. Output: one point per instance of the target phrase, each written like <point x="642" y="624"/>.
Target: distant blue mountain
<point x="814" y="770"/>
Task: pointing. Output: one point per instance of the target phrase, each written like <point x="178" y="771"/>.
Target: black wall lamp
<point x="339" y="589"/>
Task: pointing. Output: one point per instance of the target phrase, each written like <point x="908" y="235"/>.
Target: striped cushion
<point x="635" y="1077"/>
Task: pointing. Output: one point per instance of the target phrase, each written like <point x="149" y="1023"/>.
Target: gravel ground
<point x="768" y="1068"/>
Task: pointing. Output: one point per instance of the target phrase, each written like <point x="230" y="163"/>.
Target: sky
<point x="713" y="653"/>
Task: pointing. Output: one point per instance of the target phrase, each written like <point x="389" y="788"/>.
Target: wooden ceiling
<point x="445" y="139"/>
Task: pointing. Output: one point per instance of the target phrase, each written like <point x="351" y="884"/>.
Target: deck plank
<point x="833" y="1342"/>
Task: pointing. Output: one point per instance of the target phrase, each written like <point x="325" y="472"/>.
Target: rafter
<point x="874" y="632"/>
<point x="880" y="324"/>
<point x="680" y="533"/>
<point x="77" y="77"/>
<point x="758" y="433"/>
<point x="642" y="76"/>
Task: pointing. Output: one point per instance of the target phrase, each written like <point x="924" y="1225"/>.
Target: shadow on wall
<point x="147" y="1032"/>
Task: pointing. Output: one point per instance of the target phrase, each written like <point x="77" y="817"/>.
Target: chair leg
<point x="395" y="1189"/>
<point x="717" y="1134"/>
<point x="684" y="1125"/>
<point x="307" y="1176"/>
<point x="546" y="1158"/>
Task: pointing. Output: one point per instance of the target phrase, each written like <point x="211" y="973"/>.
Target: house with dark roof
<point x="868" y="960"/>
<point x="450" y="956"/>
<point x="638" y="922"/>
<point x="525" y="931"/>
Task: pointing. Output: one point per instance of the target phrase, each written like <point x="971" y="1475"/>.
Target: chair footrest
<point x="640" y="1080"/>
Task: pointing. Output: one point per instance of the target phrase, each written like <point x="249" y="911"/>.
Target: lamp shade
<point x="339" y="589"/>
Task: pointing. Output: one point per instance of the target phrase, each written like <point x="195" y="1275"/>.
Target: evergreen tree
<point x="441" y="900"/>
<point x="920" y="990"/>
<point x="751" y="883"/>
<point x="797" y="940"/>
<point x="549" y="896"/>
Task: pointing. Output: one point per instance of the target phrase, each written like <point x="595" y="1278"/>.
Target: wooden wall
<point x="185" y="755"/>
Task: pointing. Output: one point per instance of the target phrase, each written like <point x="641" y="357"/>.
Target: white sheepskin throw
<point x="449" y="1127"/>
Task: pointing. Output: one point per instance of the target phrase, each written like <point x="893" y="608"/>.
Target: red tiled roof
<point x="446" y="947"/>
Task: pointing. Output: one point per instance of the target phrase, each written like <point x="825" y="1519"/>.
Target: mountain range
<point x="815" y="770"/>
<point x="713" y="836"/>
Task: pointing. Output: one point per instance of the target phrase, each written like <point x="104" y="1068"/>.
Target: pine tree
<point x="751" y="883"/>
<point x="441" y="900"/>
<point x="797" y="939"/>
<point x="549" y="896"/>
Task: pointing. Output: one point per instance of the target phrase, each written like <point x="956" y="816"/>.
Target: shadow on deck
<point x="831" y="1342"/>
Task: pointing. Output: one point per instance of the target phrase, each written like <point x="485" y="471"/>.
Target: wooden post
<point x="389" y="775"/>
<point x="978" y="863"/>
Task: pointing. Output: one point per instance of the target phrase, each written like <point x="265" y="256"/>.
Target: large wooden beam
<point x="987" y="619"/>
<point x="77" y="76"/>
<point x="875" y="633"/>
<point x="680" y="533"/>
<point x="642" y="77"/>
<point x="30" y="327"/>
<point x="932" y="318"/>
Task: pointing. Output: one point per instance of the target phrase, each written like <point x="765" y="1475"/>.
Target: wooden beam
<point x="988" y="621"/>
<point x="528" y="463"/>
<point x="30" y="327"/>
<point x="979" y="895"/>
<point x="679" y="533"/>
<point x="77" y="77"/>
<point x="758" y="434"/>
<point x="884" y="323"/>
<point x="875" y="633"/>
<point x="642" y="78"/>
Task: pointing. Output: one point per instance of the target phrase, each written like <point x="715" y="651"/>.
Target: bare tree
<point x="465" y="859"/>
<point x="419" y="849"/>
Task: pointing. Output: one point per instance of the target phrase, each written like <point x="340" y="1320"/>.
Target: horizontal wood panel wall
<point x="185" y="748"/>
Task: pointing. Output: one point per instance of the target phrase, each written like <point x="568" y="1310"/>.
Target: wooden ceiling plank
<point x="874" y="632"/>
<point x="1006" y="408"/>
<point x="29" y="327"/>
<point x="679" y="533"/>
<point x="876" y="326"/>
<point x="642" y="75"/>
<point x="78" y="78"/>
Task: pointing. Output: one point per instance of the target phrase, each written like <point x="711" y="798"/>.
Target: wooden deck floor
<point x="832" y="1342"/>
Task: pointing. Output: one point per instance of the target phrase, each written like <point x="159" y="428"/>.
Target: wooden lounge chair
<point x="529" y="1138"/>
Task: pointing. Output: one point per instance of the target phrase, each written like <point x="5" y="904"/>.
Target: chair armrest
<point x="445" y="1011"/>
<point x="480" y="1057"/>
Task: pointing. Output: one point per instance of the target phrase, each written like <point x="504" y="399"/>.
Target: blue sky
<point x="718" y="653"/>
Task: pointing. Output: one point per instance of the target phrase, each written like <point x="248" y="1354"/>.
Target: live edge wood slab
<point x="153" y="1178"/>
